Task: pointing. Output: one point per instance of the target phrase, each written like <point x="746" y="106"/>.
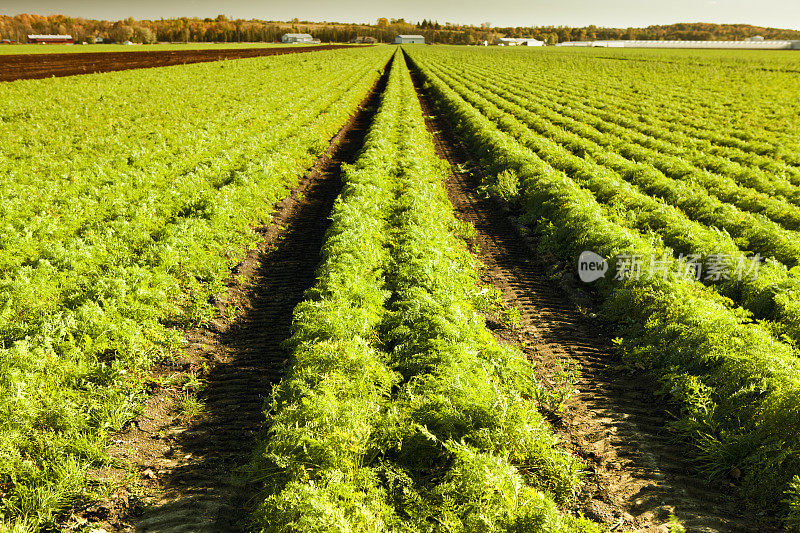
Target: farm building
<point x="298" y="38"/>
<point x="364" y="40"/>
<point x="519" y="41"/>
<point x="50" y="39"/>
<point x="749" y="44"/>
<point x="409" y="39"/>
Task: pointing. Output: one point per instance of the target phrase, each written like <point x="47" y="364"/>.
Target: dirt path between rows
<point x="636" y="479"/>
<point x="186" y="464"/>
<point x="37" y="66"/>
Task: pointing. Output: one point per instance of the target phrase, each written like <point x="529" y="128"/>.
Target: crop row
<point x="714" y="106"/>
<point x="122" y="212"/>
<point x="722" y="98"/>
<point x="677" y="155"/>
<point x="773" y="294"/>
<point x="687" y="128"/>
<point x="400" y="412"/>
<point x="735" y="386"/>
<point x="689" y="141"/>
<point x="588" y="137"/>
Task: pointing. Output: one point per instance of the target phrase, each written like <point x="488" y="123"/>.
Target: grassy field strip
<point x="400" y="412"/>
<point x="12" y="49"/>
<point x="109" y="238"/>
<point x="773" y="295"/>
<point x="734" y="385"/>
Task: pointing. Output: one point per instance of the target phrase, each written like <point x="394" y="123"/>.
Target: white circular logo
<point x="591" y="267"/>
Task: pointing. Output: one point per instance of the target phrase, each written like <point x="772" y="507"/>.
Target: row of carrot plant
<point x="726" y="93"/>
<point x="754" y="190"/>
<point x="734" y="384"/>
<point x="400" y="412"/>
<point x="684" y="131"/>
<point x="677" y="180"/>
<point x="773" y="294"/>
<point x="753" y="168"/>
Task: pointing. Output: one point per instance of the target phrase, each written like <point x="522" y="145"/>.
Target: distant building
<point x="750" y="44"/>
<point x="298" y="38"/>
<point x="519" y="41"/>
<point x="364" y="40"/>
<point x="50" y="39"/>
<point x="574" y="44"/>
<point x="409" y="39"/>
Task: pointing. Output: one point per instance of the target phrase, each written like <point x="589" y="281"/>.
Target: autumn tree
<point x="143" y="34"/>
<point x="121" y="32"/>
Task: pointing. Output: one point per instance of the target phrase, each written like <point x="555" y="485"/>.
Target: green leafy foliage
<point x="687" y="205"/>
<point x="504" y="185"/>
<point x="126" y="199"/>
<point x="735" y="384"/>
<point x="400" y="411"/>
<point x="793" y="501"/>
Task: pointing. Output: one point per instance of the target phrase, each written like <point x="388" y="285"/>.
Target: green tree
<point x="143" y="34"/>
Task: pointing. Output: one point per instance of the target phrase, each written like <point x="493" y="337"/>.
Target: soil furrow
<point x="189" y="460"/>
<point x="637" y="476"/>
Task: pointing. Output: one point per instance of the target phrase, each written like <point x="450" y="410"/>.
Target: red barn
<point x="50" y="39"/>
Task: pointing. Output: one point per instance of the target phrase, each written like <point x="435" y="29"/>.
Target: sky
<point x="614" y="13"/>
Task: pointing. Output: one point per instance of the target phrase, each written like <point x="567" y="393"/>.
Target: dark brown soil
<point x="37" y="66"/>
<point x="187" y="466"/>
<point x="637" y="476"/>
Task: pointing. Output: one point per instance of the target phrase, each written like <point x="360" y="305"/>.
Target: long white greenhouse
<point x="743" y="45"/>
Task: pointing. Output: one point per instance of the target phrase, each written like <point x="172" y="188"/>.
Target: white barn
<point x="297" y="38"/>
<point x="409" y="39"/>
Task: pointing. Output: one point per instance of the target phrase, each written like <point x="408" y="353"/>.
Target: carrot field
<point x="679" y="157"/>
<point x="353" y="290"/>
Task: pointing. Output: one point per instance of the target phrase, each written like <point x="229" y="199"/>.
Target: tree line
<point x="222" y="29"/>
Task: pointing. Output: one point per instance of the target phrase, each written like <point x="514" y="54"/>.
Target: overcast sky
<point x="616" y="13"/>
